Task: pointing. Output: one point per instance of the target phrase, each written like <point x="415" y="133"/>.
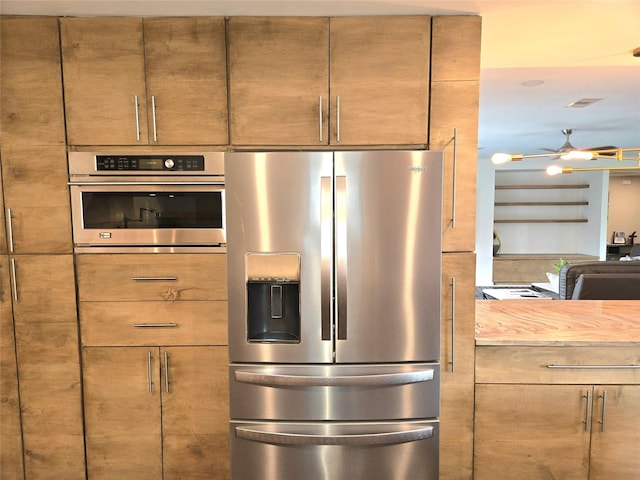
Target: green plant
<point x="558" y="266"/>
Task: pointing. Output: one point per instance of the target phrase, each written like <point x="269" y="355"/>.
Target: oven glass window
<point x="107" y="210"/>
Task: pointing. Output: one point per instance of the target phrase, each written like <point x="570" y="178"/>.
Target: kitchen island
<point x="557" y="389"/>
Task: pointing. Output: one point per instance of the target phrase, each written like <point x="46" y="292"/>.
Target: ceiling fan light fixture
<point x="577" y="155"/>
<point x="502" y="158"/>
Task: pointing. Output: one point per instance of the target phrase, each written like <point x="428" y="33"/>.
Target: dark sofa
<point x="610" y="280"/>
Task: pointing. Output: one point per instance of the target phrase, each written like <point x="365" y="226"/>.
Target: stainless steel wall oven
<point x="147" y="202"/>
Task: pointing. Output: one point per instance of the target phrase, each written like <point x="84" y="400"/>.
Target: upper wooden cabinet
<point x="31" y="99"/>
<point x="320" y="81"/>
<point x="133" y="81"/>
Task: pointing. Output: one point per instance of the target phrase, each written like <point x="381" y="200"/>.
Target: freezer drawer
<point x="334" y="451"/>
<point x="334" y="392"/>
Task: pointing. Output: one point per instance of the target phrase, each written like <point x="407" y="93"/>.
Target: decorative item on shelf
<point x="496" y="243"/>
<point x="619" y="238"/>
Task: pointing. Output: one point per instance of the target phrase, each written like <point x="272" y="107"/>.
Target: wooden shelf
<point x="537" y="204"/>
<point x="540" y="187"/>
<point x="543" y="220"/>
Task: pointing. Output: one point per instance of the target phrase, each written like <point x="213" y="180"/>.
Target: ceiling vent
<point x="583" y="102"/>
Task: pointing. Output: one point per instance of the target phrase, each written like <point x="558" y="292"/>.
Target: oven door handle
<point x="127" y="184"/>
<point x="359" y="439"/>
<point x="385" y="379"/>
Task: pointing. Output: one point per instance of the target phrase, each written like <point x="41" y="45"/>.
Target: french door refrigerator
<point x="334" y="274"/>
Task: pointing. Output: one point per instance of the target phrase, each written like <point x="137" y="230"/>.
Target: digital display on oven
<point x="150" y="163"/>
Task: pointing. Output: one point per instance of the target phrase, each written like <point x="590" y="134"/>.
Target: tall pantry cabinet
<point x="453" y="127"/>
<point x="38" y="285"/>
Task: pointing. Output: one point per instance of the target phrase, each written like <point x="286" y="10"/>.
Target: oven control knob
<point x="169" y="163"/>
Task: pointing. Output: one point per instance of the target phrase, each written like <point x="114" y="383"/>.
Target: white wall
<point x="624" y="206"/>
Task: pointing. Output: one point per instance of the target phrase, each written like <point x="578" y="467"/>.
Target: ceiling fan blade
<point x="605" y="147"/>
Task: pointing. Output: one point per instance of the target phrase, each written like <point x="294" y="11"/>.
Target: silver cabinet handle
<point x="384" y="379"/>
<point x="166" y="372"/>
<point x="320" y="116"/>
<point x="136" y="106"/>
<point x="337" y="118"/>
<point x="455" y="174"/>
<point x="360" y="439"/>
<point x="14" y="279"/>
<point x="153" y="116"/>
<point x="341" y="256"/>
<point x="594" y="367"/>
<point x="326" y="245"/>
<point x="603" y="395"/>
<point x="150" y="372"/>
<point x="154" y="325"/>
<point x="453" y="323"/>
<point x="153" y="279"/>
<point x="10" y="229"/>
<point x="587" y="409"/>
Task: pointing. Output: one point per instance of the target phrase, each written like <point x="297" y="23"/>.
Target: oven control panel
<point x="150" y="163"/>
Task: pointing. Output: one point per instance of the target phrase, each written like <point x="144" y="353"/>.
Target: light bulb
<point x="500" y="158"/>
<point x="554" y="170"/>
<point x="577" y="155"/>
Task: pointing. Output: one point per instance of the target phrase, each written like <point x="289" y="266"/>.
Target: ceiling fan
<point x="568" y="147"/>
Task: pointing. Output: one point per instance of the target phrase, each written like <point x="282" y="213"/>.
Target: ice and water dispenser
<point x="273" y="297"/>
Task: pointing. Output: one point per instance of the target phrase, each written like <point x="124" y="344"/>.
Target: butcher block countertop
<point x="558" y="322"/>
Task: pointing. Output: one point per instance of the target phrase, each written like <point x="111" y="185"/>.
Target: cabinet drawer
<point x="153" y="323"/>
<point x="149" y="277"/>
<point x="568" y="365"/>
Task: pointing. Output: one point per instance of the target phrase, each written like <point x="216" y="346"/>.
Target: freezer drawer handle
<point x="386" y="438"/>
<point x="594" y="367"/>
<point x="336" y="381"/>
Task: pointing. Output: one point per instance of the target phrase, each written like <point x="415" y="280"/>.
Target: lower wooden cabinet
<point x="558" y="425"/>
<point x="156" y="412"/>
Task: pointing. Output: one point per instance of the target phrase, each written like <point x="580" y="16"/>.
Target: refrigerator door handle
<point x="386" y="379"/>
<point x="341" y="256"/>
<point x="326" y="246"/>
<point x="385" y="438"/>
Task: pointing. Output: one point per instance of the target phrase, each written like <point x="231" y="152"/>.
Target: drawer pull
<point x="587" y="409"/>
<point x="604" y="409"/>
<point x="154" y="325"/>
<point x="595" y="367"/>
<point x="150" y="372"/>
<point x="152" y="279"/>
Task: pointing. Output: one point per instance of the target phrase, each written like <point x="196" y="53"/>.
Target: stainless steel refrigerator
<point x="334" y="274"/>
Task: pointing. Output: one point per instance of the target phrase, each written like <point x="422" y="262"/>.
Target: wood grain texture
<point x="556" y="322"/>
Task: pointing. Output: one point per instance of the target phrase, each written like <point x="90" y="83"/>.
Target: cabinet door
<point x="122" y="412"/>
<point x="103" y="67"/>
<point x="37" y="199"/>
<point x="186" y="76"/>
<point x="278" y="80"/>
<point x="380" y="74"/>
<point x="31" y="96"/>
<point x="195" y="412"/>
<point x="457" y="359"/>
<point x="615" y="438"/>
<point x="10" y="430"/>
<point x="532" y="431"/>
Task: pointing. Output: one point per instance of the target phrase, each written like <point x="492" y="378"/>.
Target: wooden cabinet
<point x="31" y="111"/>
<point x="157" y="81"/>
<point x="455" y="74"/>
<point x="38" y="213"/>
<point x="457" y="359"/>
<point x="150" y="410"/>
<point x="10" y="428"/>
<point x="155" y="365"/>
<point x="561" y="412"/>
<point x="320" y="81"/>
<point x="46" y="335"/>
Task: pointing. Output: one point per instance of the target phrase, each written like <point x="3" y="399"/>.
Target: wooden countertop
<point x="558" y="322"/>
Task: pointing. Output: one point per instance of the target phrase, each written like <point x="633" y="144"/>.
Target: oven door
<point x="148" y="215"/>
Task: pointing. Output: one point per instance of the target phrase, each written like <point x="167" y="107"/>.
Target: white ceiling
<point x="579" y="49"/>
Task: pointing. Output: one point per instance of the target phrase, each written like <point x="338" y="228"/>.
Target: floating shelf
<point x="537" y="204"/>
<point x="544" y="220"/>
<point x="540" y="187"/>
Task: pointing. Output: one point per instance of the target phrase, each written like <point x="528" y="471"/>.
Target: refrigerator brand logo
<point x="417" y="169"/>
